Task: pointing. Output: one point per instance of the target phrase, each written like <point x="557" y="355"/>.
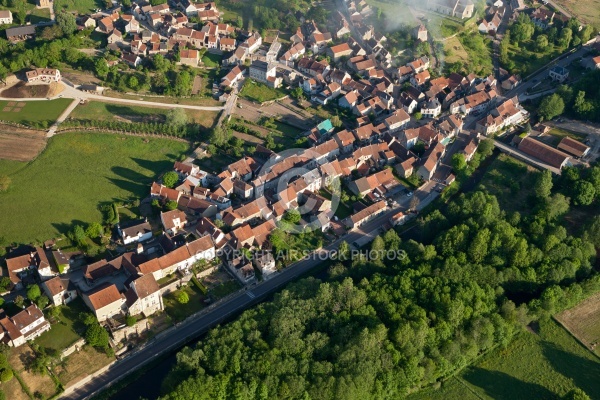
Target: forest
<point x="473" y="277"/>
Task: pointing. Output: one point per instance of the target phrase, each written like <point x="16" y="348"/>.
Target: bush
<point x="97" y="336"/>
<point x="130" y="320"/>
<point x="6" y="375"/>
<point x="200" y="286"/>
<point x="183" y="297"/>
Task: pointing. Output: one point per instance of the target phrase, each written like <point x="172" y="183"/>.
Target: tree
<point x="576" y="394"/>
<point x="177" y="117"/>
<point x="4" y="183"/>
<point x="418" y="116"/>
<point x="66" y="22"/>
<point x="97" y="336"/>
<point x="126" y="3"/>
<point x="101" y="68"/>
<point x="551" y="106"/>
<point x="20" y="301"/>
<point x="584" y="193"/>
<point x="94" y="230"/>
<point x="130" y="320"/>
<point x="170" y="205"/>
<point x="5" y="283"/>
<point x="581" y="105"/>
<point x="33" y="292"/>
<point x="170" y="179"/>
<point x="133" y="82"/>
<point x="42" y="301"/>
<point x="87" y="318"/>
<point x="566" y="35"/>
<point x="157" y="2"/>
<point x="344" y="251"/>
<point x="541" y="42"/>
<point x="78" y="235"/>
<point x="458" y="162"/>
<point x="297" y="93"/>
<point x="336" y="121"/>
<point x="486" y="148"/>
<point x="20" y="11"/>
<point x="292" y="216"/>
<point x="6" y="375"/>
<point x="183" y="297"/>
<point x="543" y="184"/>
<point x="219" y="135"/>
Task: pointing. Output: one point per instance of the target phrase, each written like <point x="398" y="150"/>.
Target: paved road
<point x="499" y="35"/>
<point x="72" y="93"/>
<point x="62" y="118"/>
<point x="192" y="328"/>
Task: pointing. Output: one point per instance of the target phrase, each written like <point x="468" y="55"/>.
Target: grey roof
<point x="20" y="31"/>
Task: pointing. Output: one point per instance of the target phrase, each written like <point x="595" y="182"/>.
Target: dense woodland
<point x="473" y="277"/>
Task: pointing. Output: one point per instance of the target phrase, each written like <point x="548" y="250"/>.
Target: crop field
<point x="588" y="11"/>
<point x="545" y="364"/>
<point x="20" y="144"/>
<point x="46" y="196"/>
<point x="583" y="321"/>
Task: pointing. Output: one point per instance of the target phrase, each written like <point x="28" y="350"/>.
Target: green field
<point x="258" y="92"/>
<point x="65" y="327"/>
<point x="33" y="113"/>
<point x="211" y="60"/>
<point x="542" y="365"/>
<point x="179" y="312"/>
<point x="73" y="176"/>
<point x="81" y="6"/>
<point x="38" y="15"/>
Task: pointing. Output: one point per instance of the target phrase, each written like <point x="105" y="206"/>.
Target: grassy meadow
<point x="33" y="113"/>
<point x="74" y="175"/>
<point x="545" y="363"/>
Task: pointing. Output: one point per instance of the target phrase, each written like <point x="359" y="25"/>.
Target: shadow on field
<point x="137" y="189"/>
<point x="582" y="371"/>
<point x="499" y="385"/>
<point x="156" y="167"/>
<point x="65" y="228"/>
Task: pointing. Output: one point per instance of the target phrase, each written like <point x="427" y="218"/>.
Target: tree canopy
<point x="382" y="327"/>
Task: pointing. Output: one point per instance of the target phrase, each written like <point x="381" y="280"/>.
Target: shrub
<point x="130" y="320"/>
<point x="183" y="297"/>
<point x="6" y="375"/>
<point x="200" y="286"/>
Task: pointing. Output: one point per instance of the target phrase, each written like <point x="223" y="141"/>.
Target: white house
<point x="105" y="301"/>
<point x="59" y="290"/>
<point x="6" y="17"/>
<point x="143" y="296"/>
<point x="136" y="233"/>
<point x="26" y="325"/>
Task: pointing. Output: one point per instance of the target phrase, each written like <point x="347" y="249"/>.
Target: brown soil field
<point x="21" y="90"/>
<point x="39" y="383"/>
<point x="583" y="321"/>
<point x="81" y="364"/>
<point x="21" y="144"/>
<point x="13" y="391"/>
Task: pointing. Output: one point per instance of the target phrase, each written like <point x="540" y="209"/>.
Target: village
<point x="410" y="131"/>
